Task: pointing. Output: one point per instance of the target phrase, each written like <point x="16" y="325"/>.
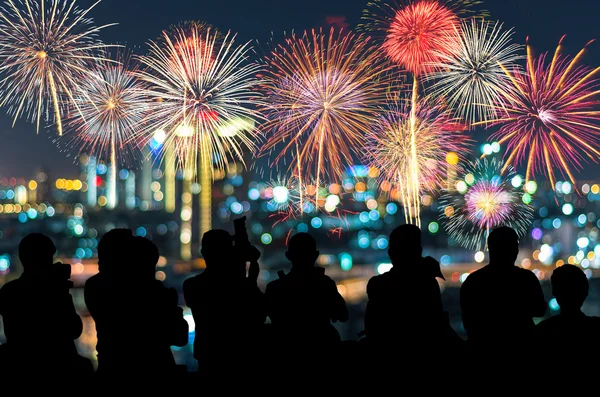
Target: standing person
<point x="303" y="303"/>
<point x="564" y="336"/>
<point x="499" y="301"/>
<point x="404" y="311"/>
<point x="39" y="317"/>
<point x="227" y="305"/>
<point x="103" y="304"/>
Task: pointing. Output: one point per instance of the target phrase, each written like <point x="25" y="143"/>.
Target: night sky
<point x="544" y="21"/>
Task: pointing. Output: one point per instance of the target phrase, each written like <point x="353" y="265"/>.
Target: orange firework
<point x="323" y="92"/>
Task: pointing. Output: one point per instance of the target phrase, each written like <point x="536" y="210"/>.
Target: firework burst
<point x="485" y="200"/>
<point x="390" y="149"/>
<point x="46" y="49"/>
<point x="415" y="33"/>
<point x="471" y="76"/>
<point x="551" y="122"/>
<point x="204" y="93"/>
<point x="323" y="91"/>
<point x="112" y="105"/>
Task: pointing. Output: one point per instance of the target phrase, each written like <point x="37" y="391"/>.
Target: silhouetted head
<point x="570" y="287"/>
<point x="217" y="246"/>
<point x="147" y="254"/>
<point x="113" y="248"/>
<point x="36" y="250"/>
<point x="503" y="244"/>
<point x="302" y="251"/>
<point x="405" y="243"/>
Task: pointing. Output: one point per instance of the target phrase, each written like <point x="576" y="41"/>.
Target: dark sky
<point x="545" y="21"/>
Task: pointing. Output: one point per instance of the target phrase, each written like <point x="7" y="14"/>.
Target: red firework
<point x="419" y="33"/>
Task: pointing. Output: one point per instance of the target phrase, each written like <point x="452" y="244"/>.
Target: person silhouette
<point x="155" y="320"/>
<point x="499" y="301"/>
<point x="565" y="334"/>
<point x="40" y="321"/>
<point x="303" y="303"/>
<point x="156" y="313"/>
<point x="404" y="309"/>
<point x="101" y="298"/>
<point x="227" y="305"/>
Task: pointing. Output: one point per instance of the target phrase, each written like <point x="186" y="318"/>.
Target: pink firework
<point x="488" y="203"/>
<point x="551" y="122"/>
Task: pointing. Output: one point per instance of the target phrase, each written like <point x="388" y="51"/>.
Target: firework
<point x="112" y="105"/>
<point x="390" y="149"/>
<point x="551" y="122"/>
<point x="46" y="48"/>
<point x="415" y="33"/>
<point x="202" y="84"/>
<point x="323" y="92"/>
<point x="471" y="76"/>
<point x="484" y="200"/>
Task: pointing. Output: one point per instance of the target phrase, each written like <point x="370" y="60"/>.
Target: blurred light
<point x="583" y="242"/>
<point x="140" y="231"/>
<point x="452" y="158"/>
<point x="280" y="194"/>
<point x="556" y="223"/>
<point x="32" y="185"/>
<point x="495" y="147"/>
<point x="302" y="227"/>
<point x="374" y="215"/>
<point x="345" y="261"/>
<point x="184" y="131"/>
<point x="567" y="209"/>
<point x="516" y="181"/>
<point x="123" y="174"/>
<point x="449" y="211"/>
<point x="526" y="263"/>
<point x="22" y="218"/>
<point x="585" y="263"/>
<point x="531" y="187"/>
<point x="253" y="194"/>
<point x="479" y="256"/>
<point x="463" y="277"/>
<point x="236" y="208"/>
<point x="266" y="239"/>
<point x="78" y="229"/>
<point x="364" y="217"/>
<point x="595" y="189"/>
<point x="316" y="222"/>
<point x="384" y="268"/>
<point x="382" y="243"/>
<point x="391" y="208"/>
<point x="4" y="263"/>
<point x="470" y="179"/>
<point x="445" y="260"/>
<point x="364" y="242"/>
<point x="191" y="323"/>
<point x="461" y="186"/>
<point x="186" y="236"/>
<point x="554" y="306"/>
<point x="537" y="233"/>
<point x="527" y="198"/>
<point x="32" y="214"/>
<point x="160" y="275"/>
<point x="160" y="136"/>
<point x="433" y="227"/>
<point x="585" y="189"/>
<point x="566" y="187"/>
<point x="487" y="149"/>
<point x="582" y="219"/>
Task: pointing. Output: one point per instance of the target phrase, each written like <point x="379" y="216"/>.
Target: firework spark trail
<point x="551" y="122"/>
<point x="390" y="148"/>
<point x="204" y="87"/>
<point x="112" y="105"/>
<point x="323" y="91"/>
<point x="490" y="201"/>
<point x="471" y="77"/>
<point x="413" y="35"/>
<point x="46" y="49"/>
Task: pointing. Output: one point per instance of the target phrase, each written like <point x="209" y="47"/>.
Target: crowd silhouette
<point x="406" y="329"/>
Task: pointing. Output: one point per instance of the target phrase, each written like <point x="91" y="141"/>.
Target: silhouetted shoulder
<point x="376" y="282"/>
